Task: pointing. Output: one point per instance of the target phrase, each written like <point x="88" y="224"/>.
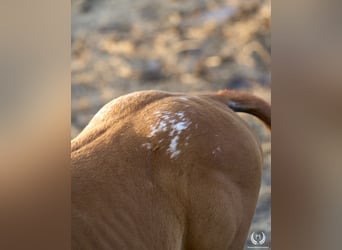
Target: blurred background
<point x="121" y="46"/>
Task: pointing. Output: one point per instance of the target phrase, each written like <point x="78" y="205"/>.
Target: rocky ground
<point x="120" y="46"/>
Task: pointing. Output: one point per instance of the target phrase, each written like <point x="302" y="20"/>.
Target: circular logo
<point x="258" y="239"/>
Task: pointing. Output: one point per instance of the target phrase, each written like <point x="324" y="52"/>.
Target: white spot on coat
<point x="147" y="145"/>
<point x="173" y="147"/>
<point x="216" y="150"/>
<point x="174" y="124"/>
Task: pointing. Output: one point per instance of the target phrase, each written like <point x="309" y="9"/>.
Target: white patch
<point x="162" y="126"/>
<point x="175" y="123"/>
<point x="173" y="147"/>
<point x="180" y="114"/>
<point x="147" y="145"/>
<point x="184" y="98"/>
<point x="180" y="126"/>
<point x="216" y="150"/>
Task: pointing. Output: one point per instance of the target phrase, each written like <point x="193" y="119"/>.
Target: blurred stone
<point x="191" y="52"/>
<point x="219" y="15"/>
<point x="150" y="11"/>
<point x="152" y="71"/>
<point x="116" y="47"/>
<point x="175" y="19"/>
<point x="238" y="82"/>
<point x="213" y="61"/>
<point x="85" y="6"/>
<point x="116" y="26"/>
